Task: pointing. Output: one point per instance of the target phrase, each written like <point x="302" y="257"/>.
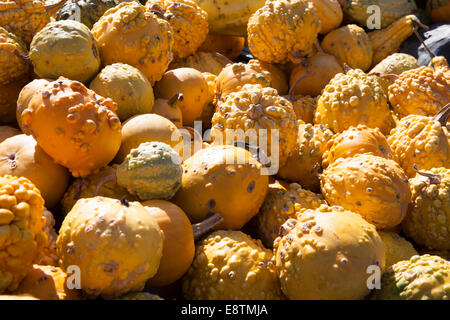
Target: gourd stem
<point x="206" y="225"/>
<point x="432" y="55"/>
<point x="434" y="178"/>
<point x="221" y="56"/>
<point x="52" y="9"/>
<point x="344" y="3"/>
<point x="443" y="115"/>
<point x="318" y="46"/>
<point x="176" y="98"/>
<point x="389" y="76"/>
<point x="346" y="68"/>
<point x="109" y="178"/>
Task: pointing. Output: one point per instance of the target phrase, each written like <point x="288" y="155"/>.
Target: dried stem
<point x="434" y="178"/>
<point x="206" y="225"/>
<point x="443" y="115"/>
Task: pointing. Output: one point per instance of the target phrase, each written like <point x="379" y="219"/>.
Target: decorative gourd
<point x="25" y="96"/>
<point x="48" y="256"/>
<point x="439" y="10"/>
<point x="374" y="187"/>
<point x="121" y="28"/>
<point x="422" y="91"/>
<point x="116" y="244"/>
<point x="304" y="164"/>
<point x="252" y="109"/>
<point x="9" y="94"/>
<point x="210" y="108"/>
<point x="25" y="18"/>
<point x="356" y="140"/>
<point x="151" y="171"/>
<point x="47" y="283"/>
<point x="244" y="270"/>
<point x="313" y="74"/>
<point x="147" y="128"/>
<point x="388" y="41"/>
<point x="74" y="126"/>
<point x="21" y="156"/>
<point x="422" y="141"/>
<point x="21" y="225"/>
<point x="208" y="177"/>
<point x="189" y="23"/>
<point x="329" y="13"/>
<point x="390" y="10"/>
<point x="234" y="76"/>
<point x="351" y="45"/>
<point x="427" y="222"/>
<point x="86" y="11"/>
<point x="169" y="109"/>
<point x="126" y="86"/>
<point x="422" y="277"/>
<point x="178" y="247"/>
<point x="229" y="17"/>
<point x="65" y="48"/>
<point x="322" y="249"/>
<point x="397" y="248"/>
<point x="394" y="64"/>
<point x="304" y="107"/>
<point x="13" y="58"/>
<point x="8" y="132"/>
<point x="92" y="186"/>
<point x="212" y="62"/>
<point x="194" y="87"/>
<point x="351" y="99"/>
<point x="280" y="205"/>
<point x="231" y="47"/>
<point x="140" y="296"/>
<point x="283" y="31"/>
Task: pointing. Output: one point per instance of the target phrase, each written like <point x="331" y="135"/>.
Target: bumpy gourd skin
<point x="24" y="18"/>
<point x="397" y="248"/>
<point x="422" y="91"/>
<point x="304" y="107"/>
<point x="424" y="277"/>
<point x="21" y="229"/>
<point x="127" y="86"/>
<point x="351" y="45"/>
<point x="390" y="10"/>
<point x="229" y="265"/>
<point x="47" y="283"/>
<point x="151" y="171"/>
<point x="351" y="99"/>
<point x="65" y="48"/>
<point x="12" y="58"/>
<point x="74" y="126"/>
<point x="428" y="220"/>
<point x="356" y="140"/>
<point x="131" y="34"/>
<point x="394" y="64"/>
<point x="283" y="31"/>
<point x="255" y="108"/>
<point x="189" y="23"/>
<point x="116" y="245"/>
<point x="281" y="205"/>
<point x="234" y="76"/>
<point x="420" y="140"/>
<point x="372" y="186"/>
<point x="304" y="164"/>
<point x="211" y="62"/>
<point x="222" y="179"/>
<point x="26" y="94"/>
<point x="87" y="188"/>
<point x="326" y="254"/>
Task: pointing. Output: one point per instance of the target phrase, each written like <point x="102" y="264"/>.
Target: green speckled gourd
<point x="65" y="48"/>
<point x="86" y="11"/>
<point x="151" y="171"/>
<point x="424" y="277"/>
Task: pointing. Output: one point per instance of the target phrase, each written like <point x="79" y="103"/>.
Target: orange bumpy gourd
<point x="74" y="126"/>
<point x="131" y="34"/>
